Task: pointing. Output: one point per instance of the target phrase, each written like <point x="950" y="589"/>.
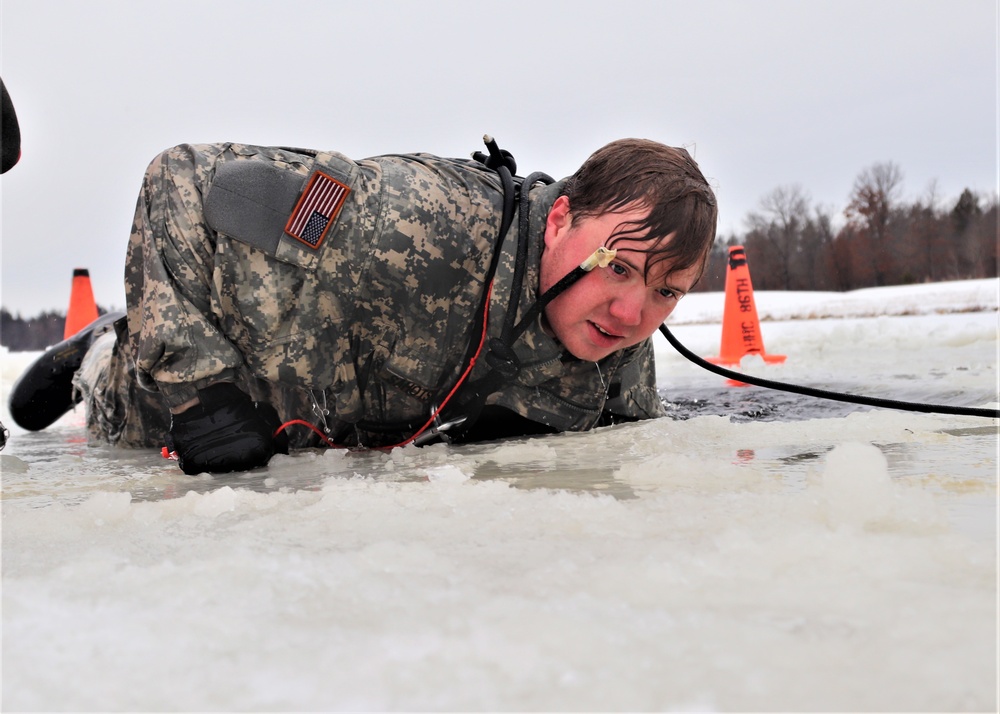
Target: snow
<point x="766" y="552"/>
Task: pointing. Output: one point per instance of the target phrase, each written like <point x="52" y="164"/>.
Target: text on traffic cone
<point x="741" y="334"/>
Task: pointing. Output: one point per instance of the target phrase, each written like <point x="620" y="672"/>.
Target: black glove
<point x="225" y="432"/>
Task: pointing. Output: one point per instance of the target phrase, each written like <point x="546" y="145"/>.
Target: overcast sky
<point x="764" y="93"/>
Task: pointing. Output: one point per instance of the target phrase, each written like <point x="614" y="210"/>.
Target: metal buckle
<point x="438" y="429"/>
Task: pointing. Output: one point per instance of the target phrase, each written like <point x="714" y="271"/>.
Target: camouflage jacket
<point x="369" y="305"/>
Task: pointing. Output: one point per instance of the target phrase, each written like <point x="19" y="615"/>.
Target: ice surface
<point x="768" y="555"/>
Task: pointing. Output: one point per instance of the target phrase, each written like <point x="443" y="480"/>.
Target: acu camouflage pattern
<point x="118" y="411"/>
<point x="365" y="333"/>
<point x="553" y="387"/>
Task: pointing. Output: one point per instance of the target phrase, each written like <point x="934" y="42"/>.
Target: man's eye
<point x="618" y="269"/>
<point x="668" y="293"/>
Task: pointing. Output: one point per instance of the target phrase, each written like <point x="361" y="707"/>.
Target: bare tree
<point x="817" y="270"/>
<point x="873" y="198"/>
<point x="990" y="236"/>
<point x="923" y="250"/>
<point x="884" y="241"/>
<point x="783" y="215"/>
<point x="977" y="240"/>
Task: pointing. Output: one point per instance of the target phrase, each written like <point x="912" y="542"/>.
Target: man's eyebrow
<point x="629" y="263"/>
<point x="679" y="291"/>
<point x="666" y="284"/>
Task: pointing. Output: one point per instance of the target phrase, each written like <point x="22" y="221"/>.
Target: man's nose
<point x="627" y="306"/>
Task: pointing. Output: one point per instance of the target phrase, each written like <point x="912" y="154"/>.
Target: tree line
<point x="19" y="334"/>
<point x="880" y="239"/>
<point x="793" y="245"/>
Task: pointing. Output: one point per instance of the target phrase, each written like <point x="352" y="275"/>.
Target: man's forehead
<point x="662" y="271"/>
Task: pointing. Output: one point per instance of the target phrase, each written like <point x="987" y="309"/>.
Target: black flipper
<point x="44" y="391"/>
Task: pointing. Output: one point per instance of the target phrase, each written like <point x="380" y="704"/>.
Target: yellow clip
<point x="600" y="258"/>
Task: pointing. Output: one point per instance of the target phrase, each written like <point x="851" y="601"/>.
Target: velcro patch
<point x="316" y="209"/>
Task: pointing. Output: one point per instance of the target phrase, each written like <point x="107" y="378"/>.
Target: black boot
<point x="44" y="392"/>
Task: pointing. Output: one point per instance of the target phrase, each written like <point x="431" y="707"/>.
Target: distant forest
<point x="793" y="245"/>
<point x="33" y="333"/>
<point x="882" y="240"/>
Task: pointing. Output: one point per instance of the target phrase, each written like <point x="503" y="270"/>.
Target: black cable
<point x="824" y="394"/>
<point x="551" y="294"/>
<point x="521" y="258"/>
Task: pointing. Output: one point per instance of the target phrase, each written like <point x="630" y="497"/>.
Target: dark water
<point x="751" y="403"/>
<point x="745" y="404"/>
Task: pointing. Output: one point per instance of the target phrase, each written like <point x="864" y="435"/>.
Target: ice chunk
<point x="446" y="474"/>
<point x="859" y="493"/>
<point x="106" y="507"/>
<point x="10" y="464"/>
<point x="525" y="452"/>
<point x="216" y="503"/>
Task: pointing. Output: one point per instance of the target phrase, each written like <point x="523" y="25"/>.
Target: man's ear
<point x="558" y="222"/>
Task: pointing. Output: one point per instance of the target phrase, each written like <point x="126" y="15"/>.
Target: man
<point x="390" y="299"/>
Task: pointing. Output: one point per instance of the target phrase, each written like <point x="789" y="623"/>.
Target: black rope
<point x="550" y="295"/>
<point x="503" y="169"/>
<point x="503" y="163"/>
<point x="824" y="394"/>
<point x="504" y="364"/>
<point x="520" y="262"/>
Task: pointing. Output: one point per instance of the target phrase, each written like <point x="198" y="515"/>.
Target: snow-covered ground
<point x="757" y="551"/>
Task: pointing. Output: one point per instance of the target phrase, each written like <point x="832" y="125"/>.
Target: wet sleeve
<point x="176" y="344"/>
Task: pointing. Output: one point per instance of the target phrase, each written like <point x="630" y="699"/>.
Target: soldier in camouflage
<point x="271" y="284"/>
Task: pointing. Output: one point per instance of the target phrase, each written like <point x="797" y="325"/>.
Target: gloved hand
<point x="225" y="432"/>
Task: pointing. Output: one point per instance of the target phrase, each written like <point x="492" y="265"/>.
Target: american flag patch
<point x="316" y="209"/>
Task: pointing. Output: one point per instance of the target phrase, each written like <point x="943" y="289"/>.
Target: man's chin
<point x="583" y="343"/>
<point x="589" y="353"/>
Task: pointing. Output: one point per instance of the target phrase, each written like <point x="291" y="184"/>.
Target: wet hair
<point x="643" y="173"/>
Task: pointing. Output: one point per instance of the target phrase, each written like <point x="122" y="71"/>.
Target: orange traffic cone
<point x="740" y="326"/>
<point x="82" y="308"/>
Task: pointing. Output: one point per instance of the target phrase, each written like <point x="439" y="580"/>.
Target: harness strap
<point x="503" y="163"/>
<point x="503" y="361"/>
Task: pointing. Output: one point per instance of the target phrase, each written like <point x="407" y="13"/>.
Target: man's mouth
<point x="602" y="335"/>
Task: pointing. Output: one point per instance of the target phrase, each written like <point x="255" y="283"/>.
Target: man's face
<point x="609" y="308"/>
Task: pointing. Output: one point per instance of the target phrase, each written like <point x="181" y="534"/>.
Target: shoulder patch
<point x="317" y="208"/>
